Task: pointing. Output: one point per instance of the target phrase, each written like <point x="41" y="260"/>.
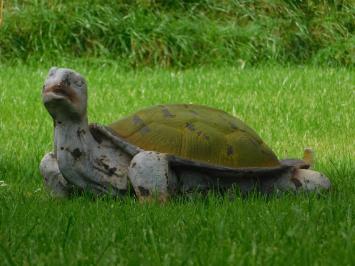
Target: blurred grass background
<point x="180" y="33"/>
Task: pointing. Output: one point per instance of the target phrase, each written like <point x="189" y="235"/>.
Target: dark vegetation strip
<point x="181" y="33"/>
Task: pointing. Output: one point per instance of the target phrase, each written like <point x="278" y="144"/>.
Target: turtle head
<point x="64" y="94"/>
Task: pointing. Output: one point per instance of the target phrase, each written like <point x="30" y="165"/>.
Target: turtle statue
<point x="159" y="151"/>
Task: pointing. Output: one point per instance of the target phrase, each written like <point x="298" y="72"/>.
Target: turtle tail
<point x="308" y="156"/>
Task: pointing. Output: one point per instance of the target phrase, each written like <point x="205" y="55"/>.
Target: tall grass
<point x="181" y="33"/>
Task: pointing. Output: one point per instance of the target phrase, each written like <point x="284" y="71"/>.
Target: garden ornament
<point x="160" y="151"/>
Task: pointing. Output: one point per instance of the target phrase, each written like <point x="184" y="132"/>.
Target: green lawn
<point x="290" y="107"/>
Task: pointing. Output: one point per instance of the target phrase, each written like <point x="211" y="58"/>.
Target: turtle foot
<point x="151" y="177"/>
<point x="53" y="179"/>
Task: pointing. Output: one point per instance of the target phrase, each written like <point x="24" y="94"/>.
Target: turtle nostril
<point x="66" y="81"/>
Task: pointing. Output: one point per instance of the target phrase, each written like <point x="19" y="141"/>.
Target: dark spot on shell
<point x="233" y="125"/>
<point x="230" y="150"/>
<point x="137" y="120"/>
<point x="134" y="164"/>
<point x="190" y="126"/>
<point x="166" y="113"/>
<point x="59" y="122"/>
<point x="62" y="148"/>
<point x="296" y="182"/>
<point x="143" y="191"/>
<point x="144" y="130"/>
<point x="76" y="153"/>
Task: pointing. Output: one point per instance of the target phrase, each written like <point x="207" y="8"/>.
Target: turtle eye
<point x="52" y="71"/>
<point x="78" y="82"/>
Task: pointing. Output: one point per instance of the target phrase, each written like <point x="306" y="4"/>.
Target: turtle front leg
<point x="53" y="179"/>
<point x="151" y="176"/>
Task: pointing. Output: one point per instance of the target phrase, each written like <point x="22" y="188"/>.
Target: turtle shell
<point x="197" y="133"/>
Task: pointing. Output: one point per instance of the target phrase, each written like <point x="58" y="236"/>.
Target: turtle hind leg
<point x="309" y="180"/>
<point x="300" y="180"/>
<point x="53" y="179"/>
<point x="151" y="176"/>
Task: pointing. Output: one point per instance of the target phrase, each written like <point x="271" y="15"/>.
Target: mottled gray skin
<point x="82" y="162"/>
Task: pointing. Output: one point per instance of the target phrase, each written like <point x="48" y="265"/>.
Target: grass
<point x="290" y="107"/>
<point x="181" y="33"/>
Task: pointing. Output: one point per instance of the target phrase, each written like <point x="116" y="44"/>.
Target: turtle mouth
<point x="56" y="92"/>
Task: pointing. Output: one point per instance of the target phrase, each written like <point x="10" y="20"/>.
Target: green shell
<point x="197" y="133"/>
